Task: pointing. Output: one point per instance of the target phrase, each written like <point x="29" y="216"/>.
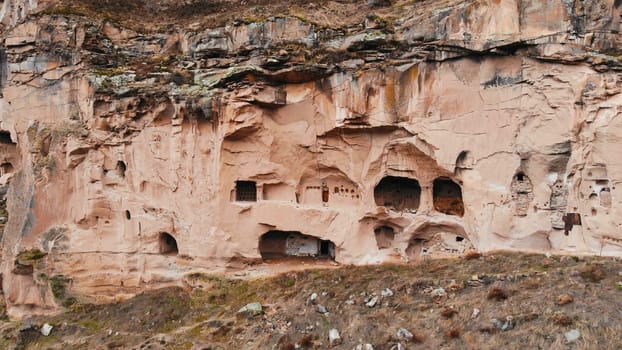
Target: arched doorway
<point x="399" y="193"/>
<point x="280" y="244"/>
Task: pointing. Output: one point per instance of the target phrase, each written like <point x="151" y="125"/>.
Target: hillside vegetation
<point x="496" y="301"/>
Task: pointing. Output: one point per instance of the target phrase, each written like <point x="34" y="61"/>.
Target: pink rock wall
<point x="514" y="104"/>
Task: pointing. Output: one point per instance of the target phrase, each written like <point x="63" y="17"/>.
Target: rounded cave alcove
<point x="439" y="241"/>
<point x="167" y="244"/>
<point x="294" y="244"/>
<point x="385" y="235"/>
<point x="6" y="168"/>
<point x="447" y="197"/>
<point x="399" y="193"/>
<point x="5" y="137"/>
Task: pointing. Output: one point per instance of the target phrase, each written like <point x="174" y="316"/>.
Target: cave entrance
<point x="293" y="244"/>
<point x="570" y="219"/>
<point x="399" y="193"/>
<point x="5" y="137"/>
<point x="168" y="244"/>
<point x="120" y="168"/>
<point x="448" y="197"/>
<point x="324" y="248"/>
<point x="438" y="241"/>
<point x="384" y="236"/>
<point x="6" y="168"/>
<point x="522" y="193"/>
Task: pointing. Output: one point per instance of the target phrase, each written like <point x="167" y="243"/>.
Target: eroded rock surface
<point x="132" y="157"/>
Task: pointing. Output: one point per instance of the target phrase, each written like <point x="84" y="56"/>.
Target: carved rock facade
<point x="132" y="159"/>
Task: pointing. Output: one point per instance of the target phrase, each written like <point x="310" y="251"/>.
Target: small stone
<point x="572" y="336"/>
<point x="454" y="286"/>
<point x="364" y="347"/>
<point x="313" y="298"/>
<point x="373" y="22"/>
<point x="509" y="323"/>
<point x="439" y="292"/>
<point x="372" y="302"/>
<point x="475" y="313"/>
<point x="349" y="302"/>
<point x="404" y="334"/>
<point x="497" y="323"/>
<point x="321" y="309"/>
<point x="333" y="337"/>
<point x="475" y="278"/>
<point x="251" y="310"/>
<point x="386" y="292"/>
<point x="27" y="325"/>
<point x="46" y="329"/>
<point x="564" y="299"/>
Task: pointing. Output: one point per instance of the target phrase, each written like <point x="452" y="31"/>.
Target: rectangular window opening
<point x="246" y="191"/>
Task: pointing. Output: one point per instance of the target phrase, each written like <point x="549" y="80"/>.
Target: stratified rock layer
<point x="131" y="159"/>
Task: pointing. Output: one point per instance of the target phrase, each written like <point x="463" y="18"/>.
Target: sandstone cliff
<point x="141" y="141"/>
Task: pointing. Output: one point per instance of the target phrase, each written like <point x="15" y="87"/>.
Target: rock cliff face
<point x="136" y="150"/>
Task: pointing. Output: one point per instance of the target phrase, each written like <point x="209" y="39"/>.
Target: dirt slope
<point x="545" y="298"/>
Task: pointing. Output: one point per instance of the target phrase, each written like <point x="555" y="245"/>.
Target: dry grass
<point x="150" y="16"/>
<point x="497" y="294"/>
<point x="488" y="329"/>
<point x="561" y="319"/>
<point x="207" y="315"/>
<point x="531" y="283"/>
<point x="472" y="255"/>
<point x="453" y="333"/>
<point x="564" y="299"/>
<point x="592" y="273"/>
<point x="418" y="337"/>
<point x="448" y="313"/>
